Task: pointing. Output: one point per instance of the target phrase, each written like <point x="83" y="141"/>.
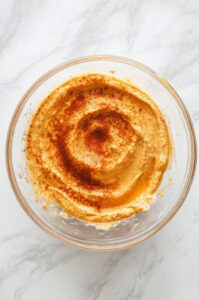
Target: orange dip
<point x="98" y="147"/>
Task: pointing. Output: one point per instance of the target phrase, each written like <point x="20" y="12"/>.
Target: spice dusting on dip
<point x="98" y="147"/>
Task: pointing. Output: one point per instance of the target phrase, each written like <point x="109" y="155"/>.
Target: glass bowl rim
<point x="182" y="108"/>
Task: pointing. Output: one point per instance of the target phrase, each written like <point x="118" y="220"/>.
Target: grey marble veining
<point x="35" y="36"/>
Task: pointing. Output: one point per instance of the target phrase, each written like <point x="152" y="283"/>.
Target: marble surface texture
<point x="36" y="35"/>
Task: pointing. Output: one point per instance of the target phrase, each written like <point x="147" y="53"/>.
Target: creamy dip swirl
<point x="98" y="147"/>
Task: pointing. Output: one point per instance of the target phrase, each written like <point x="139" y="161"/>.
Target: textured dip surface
<point x="98" y="147"/>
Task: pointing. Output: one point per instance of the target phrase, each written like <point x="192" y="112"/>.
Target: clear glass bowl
<point x="176" y="181"/>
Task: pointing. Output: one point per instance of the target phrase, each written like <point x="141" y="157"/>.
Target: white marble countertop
<point x="36" y="35"/>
